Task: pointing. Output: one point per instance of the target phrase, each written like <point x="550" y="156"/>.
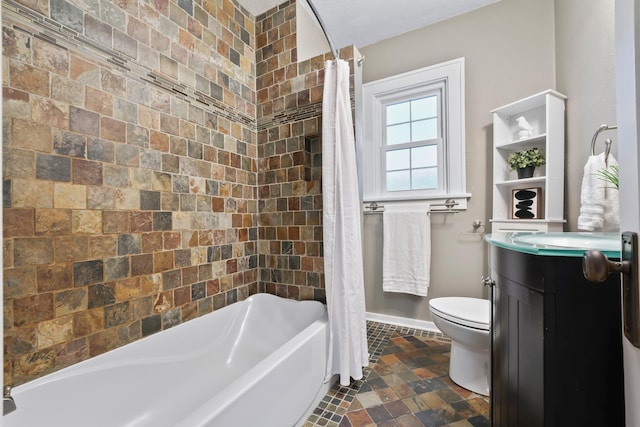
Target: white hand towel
<point x="406" y="250"/>
<point x="599" y="205"/>
<point x="611" y="213"/>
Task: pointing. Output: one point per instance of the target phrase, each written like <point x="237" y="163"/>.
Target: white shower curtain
<point x="342" y="229"/>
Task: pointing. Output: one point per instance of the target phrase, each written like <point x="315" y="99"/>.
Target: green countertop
<point x="569" y="244"/>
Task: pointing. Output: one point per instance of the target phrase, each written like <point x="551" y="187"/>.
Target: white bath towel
<point x="599" y="205"/>
<point x="406" y="250"/>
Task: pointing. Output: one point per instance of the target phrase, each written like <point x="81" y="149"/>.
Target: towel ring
<point x="607" y="150"/>
<point x="602" y="128"/>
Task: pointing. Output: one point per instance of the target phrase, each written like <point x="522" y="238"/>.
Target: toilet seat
<point x="470" y="312"/>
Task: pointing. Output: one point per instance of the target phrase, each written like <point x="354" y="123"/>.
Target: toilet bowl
<point x="467" y="322"/>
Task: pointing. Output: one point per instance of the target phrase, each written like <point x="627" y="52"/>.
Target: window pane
<point x="423" y="157"/>
<point x="398" y="134"/>
<point x="398" y="113"/>
<point x="424" y="108"/>
<point x="398" y="181"/>
<point x="424" y="178"/>
<point x="398" y="159"/>
<point x="423" y="130"/>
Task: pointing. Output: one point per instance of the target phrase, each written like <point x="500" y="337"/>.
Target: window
<point x="414" y="135"/>
<point x="411" y="144"/>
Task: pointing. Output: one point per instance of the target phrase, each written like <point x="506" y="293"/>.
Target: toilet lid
<point x="472" y="312"/>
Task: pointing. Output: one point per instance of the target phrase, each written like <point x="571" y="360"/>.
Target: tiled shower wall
<point x="289" y="111"/>
<point x="130" y="172"/>
<point x="161" y="160"/>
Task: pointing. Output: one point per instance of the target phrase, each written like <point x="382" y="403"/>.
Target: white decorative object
<point x="524" y="128"/>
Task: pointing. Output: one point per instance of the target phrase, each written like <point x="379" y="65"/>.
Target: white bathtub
<point x="259" y="362"/>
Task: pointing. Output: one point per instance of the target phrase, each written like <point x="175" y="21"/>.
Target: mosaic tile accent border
<point x="63" y="36"/>
<point x="300" y="113"/>
<point x="335" y="404"/>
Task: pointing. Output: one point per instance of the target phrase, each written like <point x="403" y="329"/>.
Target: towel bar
<point x="374" y="208"/>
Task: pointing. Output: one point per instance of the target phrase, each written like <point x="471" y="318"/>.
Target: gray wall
<point x="585" y="72"/>
<point x="510" y="54"/>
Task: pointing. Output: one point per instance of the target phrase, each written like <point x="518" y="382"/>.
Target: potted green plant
<point x="524" y="162"/>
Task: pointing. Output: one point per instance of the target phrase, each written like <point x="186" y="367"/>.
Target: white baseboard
<point x="403" y="321"/>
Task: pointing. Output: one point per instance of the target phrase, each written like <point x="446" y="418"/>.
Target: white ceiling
<point x="364" y="22"/>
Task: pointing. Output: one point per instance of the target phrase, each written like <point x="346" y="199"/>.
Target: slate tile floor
<point x="405" y="385"/>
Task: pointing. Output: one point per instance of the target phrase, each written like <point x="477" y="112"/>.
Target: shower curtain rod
<point x="334" y="51"/>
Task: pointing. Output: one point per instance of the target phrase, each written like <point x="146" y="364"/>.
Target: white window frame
<point x="448" y="77"/>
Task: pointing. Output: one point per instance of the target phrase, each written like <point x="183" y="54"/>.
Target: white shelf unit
<point x="545" y="113"/>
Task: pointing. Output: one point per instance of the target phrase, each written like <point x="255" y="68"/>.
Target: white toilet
<point x="466" y="321"/>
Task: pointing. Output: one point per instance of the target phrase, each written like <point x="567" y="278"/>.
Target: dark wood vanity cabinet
<point x="556" y="344"/>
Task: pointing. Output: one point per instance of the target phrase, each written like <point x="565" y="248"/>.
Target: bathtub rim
<point x="82" y="369"/>
<point x="94" y="364"/>
<point x="255" y="374"/>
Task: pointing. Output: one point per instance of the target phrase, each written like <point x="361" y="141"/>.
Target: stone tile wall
<point x="130" y="172"/>
<point x="289" y="95"/>
<point x="161" y="160"/>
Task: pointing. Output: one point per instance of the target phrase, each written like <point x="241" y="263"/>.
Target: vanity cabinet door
<point x="518" y="355"/>
<point x="556" y="344"/>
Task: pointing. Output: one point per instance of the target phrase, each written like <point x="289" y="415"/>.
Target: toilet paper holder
<point x="478" y="228"/>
